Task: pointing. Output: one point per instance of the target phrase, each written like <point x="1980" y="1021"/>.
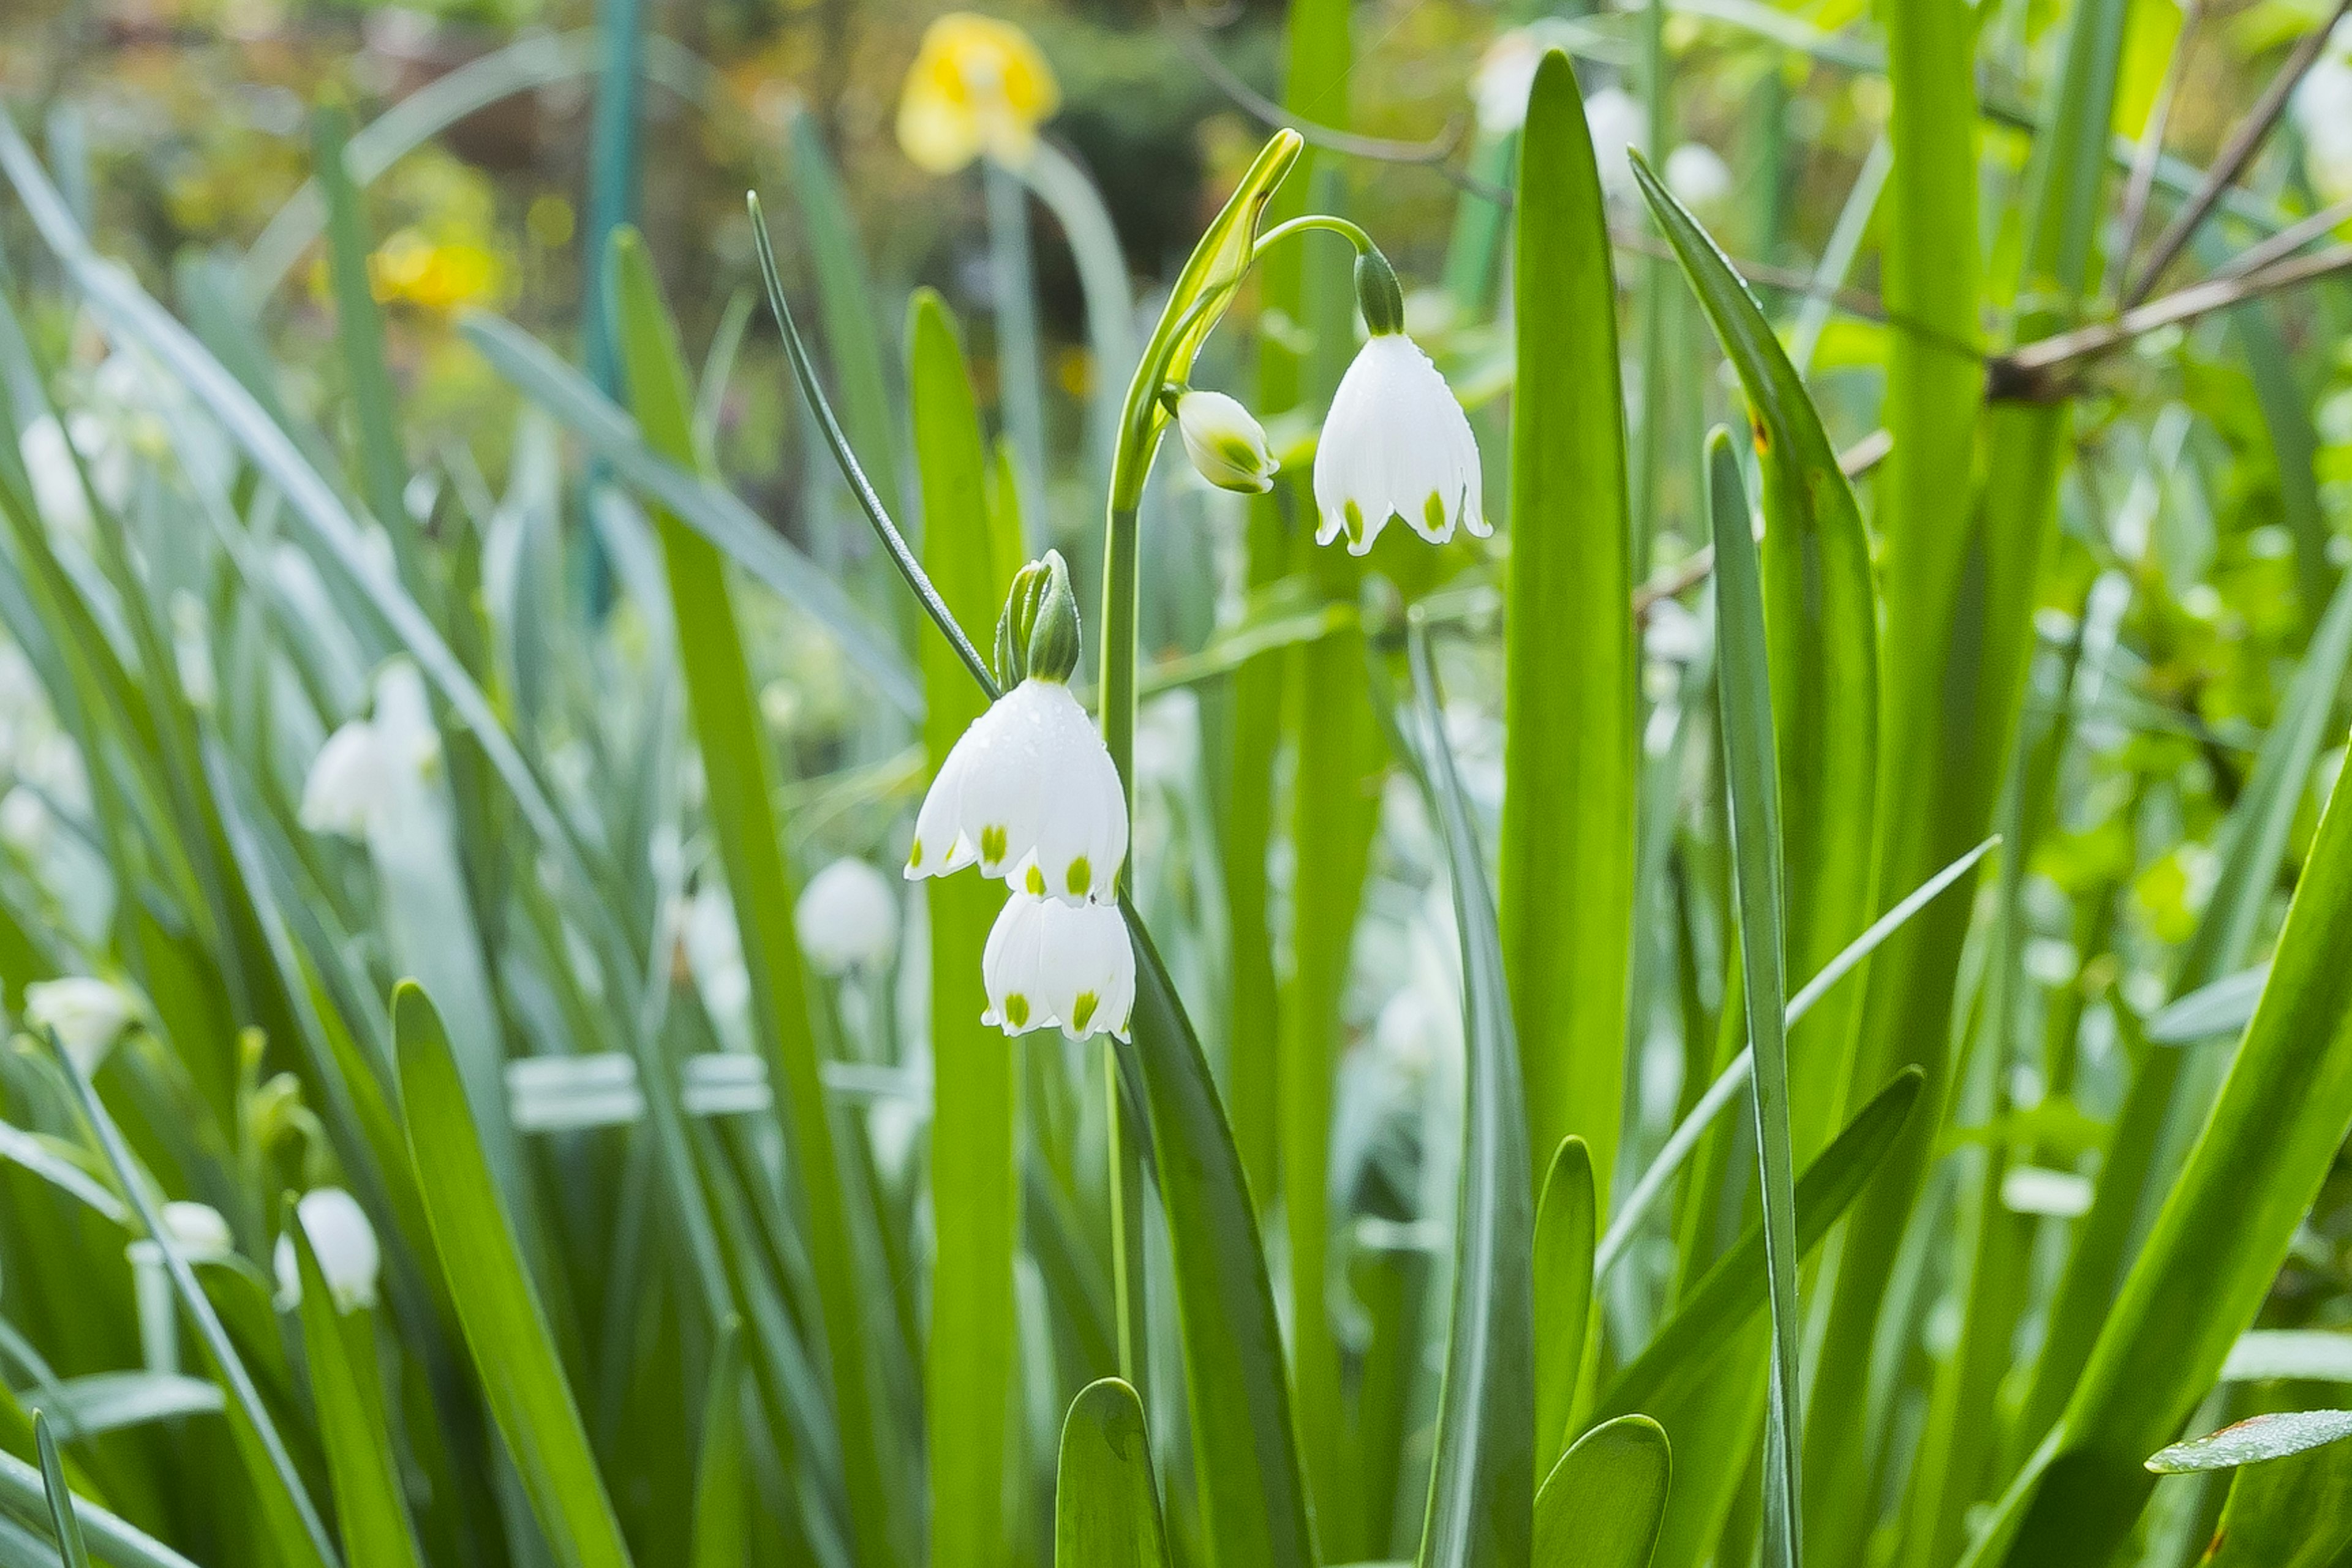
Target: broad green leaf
<point x="1565" y="1215"/>
<point x="723" y="1499"/>
<point x="362" y="1461"/>
<point x="1721" y="1301"/>
<point x="61" y="1501"/>
<point x="1252" y="1492"/>
<point x="738" y="773"/>
<point x="1571" y="713"/>
<point x="1106" y="1502"/>
<point x="1482" y="1482"/>
<point x="24" y="1498"/>
<point x="2250" y="1441"/>
<point x="102" y="1402"/>
<point x="497" y="1308"/>
<point x="2219" y="1240"/>
<point x="2223" y="1006"/>
<point x="974" y="1355"/>
<point x="1603" y="1502"/>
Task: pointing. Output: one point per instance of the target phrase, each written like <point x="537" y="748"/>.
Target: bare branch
<point x="2287" y="241"/>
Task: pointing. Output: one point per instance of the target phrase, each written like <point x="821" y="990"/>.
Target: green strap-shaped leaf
<point x="1566" y="1218"/>
<point x="61" y="1503"/>
<point x="24" y="1498"/>
<point x="722" y="1501"/>
<point x="1571" y="718"/>
<point x="361" y="1463"/>
<point x="1604" y="1503"/>
<point x="2290" y="1512"/>
<point x="2254" y="1440"/>
<point x="1106" y="1502"/>
<point x="975" y="1195"/>
<point x="1682" y="1351"/>
<point x="514" y="1356"/>
<point x="738" y="773"/>
<point x="1482" y="1480"/>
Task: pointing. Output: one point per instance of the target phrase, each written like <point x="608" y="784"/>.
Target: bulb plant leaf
<point x="1604" y="1502"/>
<point x="1106" y="1500"/>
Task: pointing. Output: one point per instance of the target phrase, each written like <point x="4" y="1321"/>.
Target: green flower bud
<point x="1037" y="635"/>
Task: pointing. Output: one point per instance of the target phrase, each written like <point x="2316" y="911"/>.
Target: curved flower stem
<point x="1326" y="221"/>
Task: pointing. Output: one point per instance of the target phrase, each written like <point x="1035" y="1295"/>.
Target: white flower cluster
<point x="1029" y="793"/>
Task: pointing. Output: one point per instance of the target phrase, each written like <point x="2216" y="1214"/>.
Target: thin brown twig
<point x="1674" y="581"/>
<point x="2243" y="143"/>
<point x="2287" y="241"/>
<point x="2025" y="373"/>
<point x="2152" y="141"/>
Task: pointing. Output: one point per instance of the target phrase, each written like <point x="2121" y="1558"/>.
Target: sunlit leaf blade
<point x="973" y="1353"/>
<point x="1603" y="1502"/>
<point x="2292" y="1510"/>
<point x="1482" y="1483"/>
<point x="2219" y="1240"/>
<point x="1564" y="1264"/>
<point x="2223" y="1007"/>
<point x="1570" y="714"/>
<point x="1722" y="1299"/>
<point x="1106" y="1502"/>
<point x="61" y="1501"/>
<point x="738" y="779"/>
<point x="2253" y="1440"/>
<point x="497" y="1305"/>
<point x="361" y="1463"/>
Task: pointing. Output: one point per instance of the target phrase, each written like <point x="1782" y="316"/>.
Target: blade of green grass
<point x="361" y="1460"/>
<point x="71" y="1545"/>
<point x="1482" y="1482"/>
<point x="1563" y="1264"/>
<point x="975" y="1192"/>
<point x="514" y="1355"/>
<point x="1106" y="1502"/>
<point x="2216" y="1244"/>
<point x="1570" y="710"/>
<point x="358" y="331"/>
<point x="1744" y="685"/>
<point x="738" y="771"/>
<point x="24" y="1495"/>
<point x="1603" y="1502"/>
<point x="1721" y="1301"/>
<point x="721" y="1499"/>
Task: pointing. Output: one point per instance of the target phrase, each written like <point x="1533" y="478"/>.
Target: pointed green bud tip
<point x="1037" y="635"/>
<point x="1378" y="294"/>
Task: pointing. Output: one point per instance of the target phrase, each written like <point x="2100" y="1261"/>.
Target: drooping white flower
<point x="1395" y="444"/>
<point x="847" y="918"/>
<point x="1698" y="176"/>
<point x="58" y="490"/>
<point x="1028" y="794"/>
<point x="1050" y="964"/>
<point x="346" y="1247"/>
<point x="87" y="1014"/>
<point x="1226" y="444"/>
<point x="197" y="1228"/>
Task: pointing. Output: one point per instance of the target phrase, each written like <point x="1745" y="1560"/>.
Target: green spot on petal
<point x="914" y="856"/>
<point x="1036" y="882"/>
<point x="1085" y="1010"/>
<point x="1355" y="516"/>
<point x="992" y="844"/>
<point x="1017" y="1010"/>
<point x="1081" y="878"/>
<point x="1432" y="512"/>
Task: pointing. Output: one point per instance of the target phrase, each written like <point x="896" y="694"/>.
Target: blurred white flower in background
<point x="365" y="766"/>
<point x="58" y="492"/>
<point x="1620" y="125"/>
<point x="87" y="1014"/>
<point x="1507" y="73"/>
<point x="2322" y="108"/>
<point x="714" y="953"/>
<point x="1698" y="176"/>
<point x="1672" y="635"/>
<point x="346" y="1247"/>
<point x="1049" y="962"/>
<point x="25" y="822"/>
<point x="847" y="918"/>
<point x="194" y="1230"/>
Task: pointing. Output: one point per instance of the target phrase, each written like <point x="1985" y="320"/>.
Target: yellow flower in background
<point x="433" y="275"/>
<point x="978" y="85"/>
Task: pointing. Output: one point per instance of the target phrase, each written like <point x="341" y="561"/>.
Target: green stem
<point x="1117" y="704"/>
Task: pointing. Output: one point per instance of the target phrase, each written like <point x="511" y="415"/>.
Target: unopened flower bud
<point x="1227" y="445"/>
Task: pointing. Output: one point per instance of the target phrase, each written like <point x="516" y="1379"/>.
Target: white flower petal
<point x="87" y="1014"/>
<point x="1029" y="793"/>
<point x="1395" y="444"/>
<point x="346" y="786"/>
<point x="346" y="1247"/>
<point x="1055" y="964"/>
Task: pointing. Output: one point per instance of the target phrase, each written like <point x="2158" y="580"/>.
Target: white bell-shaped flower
<point x="1396" y="444"/>
<point x="1028" y="794"/>
<point x="346" y="1247"/>
<point x="89" y="1015"/>
<point x="1226" y="444"/>
<point x="196" y="1232"/>
<point x="359" y="775"/>
<point x="1050" y="964"/>
<point x="847" y="918"/>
